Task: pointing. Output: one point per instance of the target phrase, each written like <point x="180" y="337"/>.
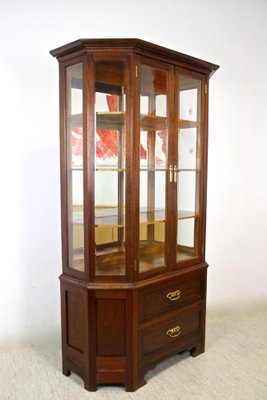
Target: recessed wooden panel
<point x="75" y="322"/>
<point x="111" y="327"/>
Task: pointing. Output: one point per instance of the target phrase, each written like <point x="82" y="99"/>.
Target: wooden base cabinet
<point x="133" y="136"/>
<point x="117" y="335"/>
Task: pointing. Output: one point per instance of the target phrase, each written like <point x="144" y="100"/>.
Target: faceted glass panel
<point x="189" y="98"/>
<point x="74" y="87"/>
<point x="110" y="148"/>
<point x="189" y="161"/>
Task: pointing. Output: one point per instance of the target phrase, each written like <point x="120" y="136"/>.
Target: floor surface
<point x="233" y="367"/>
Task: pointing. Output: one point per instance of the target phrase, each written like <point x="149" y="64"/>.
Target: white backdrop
<point x="231" y="33"/>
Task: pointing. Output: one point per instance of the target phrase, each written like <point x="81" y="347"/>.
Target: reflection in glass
<point x="75" y="166"/>
<point x="153" y="165"/>
<point x="186" y="239"/>
<point x="110" y="168"/>
<point x="187" y="191"/>
<point x="187" y="148"/>
<point x="189" y="98"/>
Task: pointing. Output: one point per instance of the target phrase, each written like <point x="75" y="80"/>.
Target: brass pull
<point x="175" y="173"/>
<point x="172" y="296"/>
<point x="174" y="332"/>
<point x="170" y="173"/>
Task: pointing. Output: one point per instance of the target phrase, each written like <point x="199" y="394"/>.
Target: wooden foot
<point x="65" y="369"/>
<point x="195" y="351"/>
<point x="90" y="386"/>
<point x="134" y="386"/>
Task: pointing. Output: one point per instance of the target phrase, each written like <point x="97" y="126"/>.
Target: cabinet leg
<point x="132" y="387"/>
<point x="199" y="349"/>
<point x="89" y="385"/>
<point x="65" y="369"/>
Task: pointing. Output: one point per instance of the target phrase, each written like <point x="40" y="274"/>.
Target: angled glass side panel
<point x="110" y="145"/>
<point x="153" y="166"/>
<point x="188" y="163"/>
<point x="75" y="162"/>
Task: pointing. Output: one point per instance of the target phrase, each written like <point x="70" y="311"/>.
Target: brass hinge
<point x="135" y="265"/>
<point x="136" y="71"/>
<point x="206" y="88"/>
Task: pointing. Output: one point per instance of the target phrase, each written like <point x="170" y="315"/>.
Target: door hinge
<point x="206" y="88"/>
<point x="136" y="71"/>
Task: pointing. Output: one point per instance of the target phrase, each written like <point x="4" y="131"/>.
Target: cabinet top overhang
<point x="135" y="45"/>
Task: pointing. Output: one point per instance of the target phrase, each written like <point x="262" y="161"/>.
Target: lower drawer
<point x="169" y="334"/>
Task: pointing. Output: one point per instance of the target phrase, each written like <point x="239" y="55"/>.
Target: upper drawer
<point x="170" y="295"/>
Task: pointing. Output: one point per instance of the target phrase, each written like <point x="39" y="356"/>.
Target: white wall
<point x="231" y="33"/>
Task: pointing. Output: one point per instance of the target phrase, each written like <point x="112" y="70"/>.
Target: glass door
<point x="109" y="174"/>
<point x="187" y="170"/>
<point x="153" y="153"/>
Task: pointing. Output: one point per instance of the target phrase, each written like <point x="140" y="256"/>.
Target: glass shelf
<point x="145" y="169"/>
<point x="113" y="217"/>
<point x="115" y="120"/>
<point x="157" y="169"/>
<point x="111" y="169"/>
<point x="75" y="120"/>
<point x="188" y="170"/>
<point x="150" y="122"/>
<point x="110" y="217"/>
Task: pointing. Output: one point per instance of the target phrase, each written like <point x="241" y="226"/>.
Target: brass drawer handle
<point x="174" y="332"/>
<point x="172" y="296"/>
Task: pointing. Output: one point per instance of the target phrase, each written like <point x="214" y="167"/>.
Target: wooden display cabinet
<point x="133" y="134"/>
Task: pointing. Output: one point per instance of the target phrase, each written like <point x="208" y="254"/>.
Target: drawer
<point x="169" y="296"/>
<point x="169" y="335"/>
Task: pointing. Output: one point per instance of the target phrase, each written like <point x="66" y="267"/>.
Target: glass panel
<point x="188" y="168"/>
<point x="187" y="191"/>
<point x="187" y="148"/>
<point x="74" y="84"/>
<point x="110" y="168"/>
<point x="189" y="98"/>
<point x="187" y="224"/>
<point x="186" y="239"/>
<point x="153" y="164"/>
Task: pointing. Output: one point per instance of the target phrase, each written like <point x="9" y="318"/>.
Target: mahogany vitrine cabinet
<point x="133" y="134"/>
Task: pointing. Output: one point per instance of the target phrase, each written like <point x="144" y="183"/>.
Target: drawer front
<point x="170" y="296"/>
<point x="169" y="334"/>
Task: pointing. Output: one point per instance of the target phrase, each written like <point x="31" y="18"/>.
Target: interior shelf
<point x="110" y="120"/>
<point x="109" y="169"/>
<point x="115" y="120"/>
<point x="157" y="169"/>
<point x="184" y="124"/>
<point x="115" y="217"/>
<point x="149" y="122"/>
<point x="143" y="169"/>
